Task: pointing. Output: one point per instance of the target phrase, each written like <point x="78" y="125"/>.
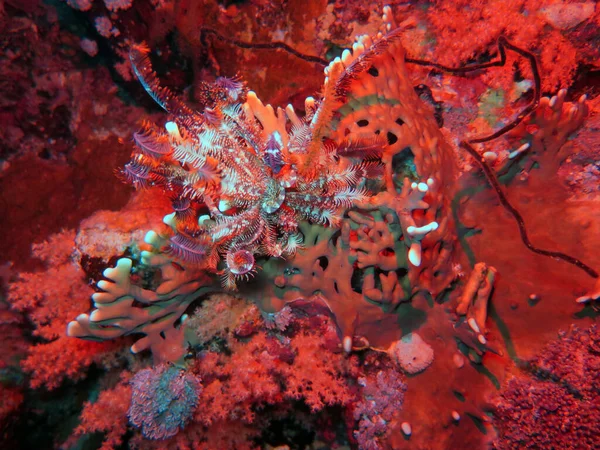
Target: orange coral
<point x="271" y="368"/>
<point x="316" y="378"/>
<point x="50" y="363"/>
<point x="464" y="29"/>
<point x="50" y="299"/>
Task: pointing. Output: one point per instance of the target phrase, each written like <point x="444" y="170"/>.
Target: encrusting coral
<point x="557" y="399"/>
<point x="382" y="396"/>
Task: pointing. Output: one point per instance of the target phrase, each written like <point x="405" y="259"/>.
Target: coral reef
<point x="106" y="415"/>
<point x="558" y="400"/>
<point x="335" y="273"/>
<point x="48" y="297"/>
<point x="207" y="162"/>
<point x="477" y="26"/>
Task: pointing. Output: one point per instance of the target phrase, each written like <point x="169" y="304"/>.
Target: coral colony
<point x="360" y="184"/>
<point x="310" y="273"/>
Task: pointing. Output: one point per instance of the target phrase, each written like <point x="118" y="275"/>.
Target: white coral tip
<point x="414" y="254"/>
<point x="346" y="57"/>
<point x="406" y="428"/>
<point x="169" y="219"/>
<point x="473" y="324"/>
<point x="518" y="151"/>
<point x="291" y="113"/>
<point x="358" y="48"/>
<point x="309" y="102"/>
<point x="202" y="219"/>
<point x="74" y="327"/>
<point x="224" y="205"/>
<point x="422" y="231"/>
<point x="173" y="130"/>
<point x="151" y="238"/>
<point x="146" y="256"/>
<point x="171" y="127"/>
<point x="590" y="297"/>
<point x="347" y="344"/>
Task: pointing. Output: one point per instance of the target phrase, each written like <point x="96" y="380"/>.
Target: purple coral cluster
<point x="163" y="400"/>
<point x="382" y="397"/>
<point x="558" y="406"/>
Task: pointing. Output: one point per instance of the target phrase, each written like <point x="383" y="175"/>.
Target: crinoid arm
<point x="140" y="61"/>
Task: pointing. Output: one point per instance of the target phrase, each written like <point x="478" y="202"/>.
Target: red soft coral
<point x="50" y="363"/>
<point x="268" y="368"/>
<point x="317" y="376"/>
<point x="51" y="298"/>
<point x="464" y="29"/>
<point x="239" y="382"/>
<point x="108" y="414"/>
